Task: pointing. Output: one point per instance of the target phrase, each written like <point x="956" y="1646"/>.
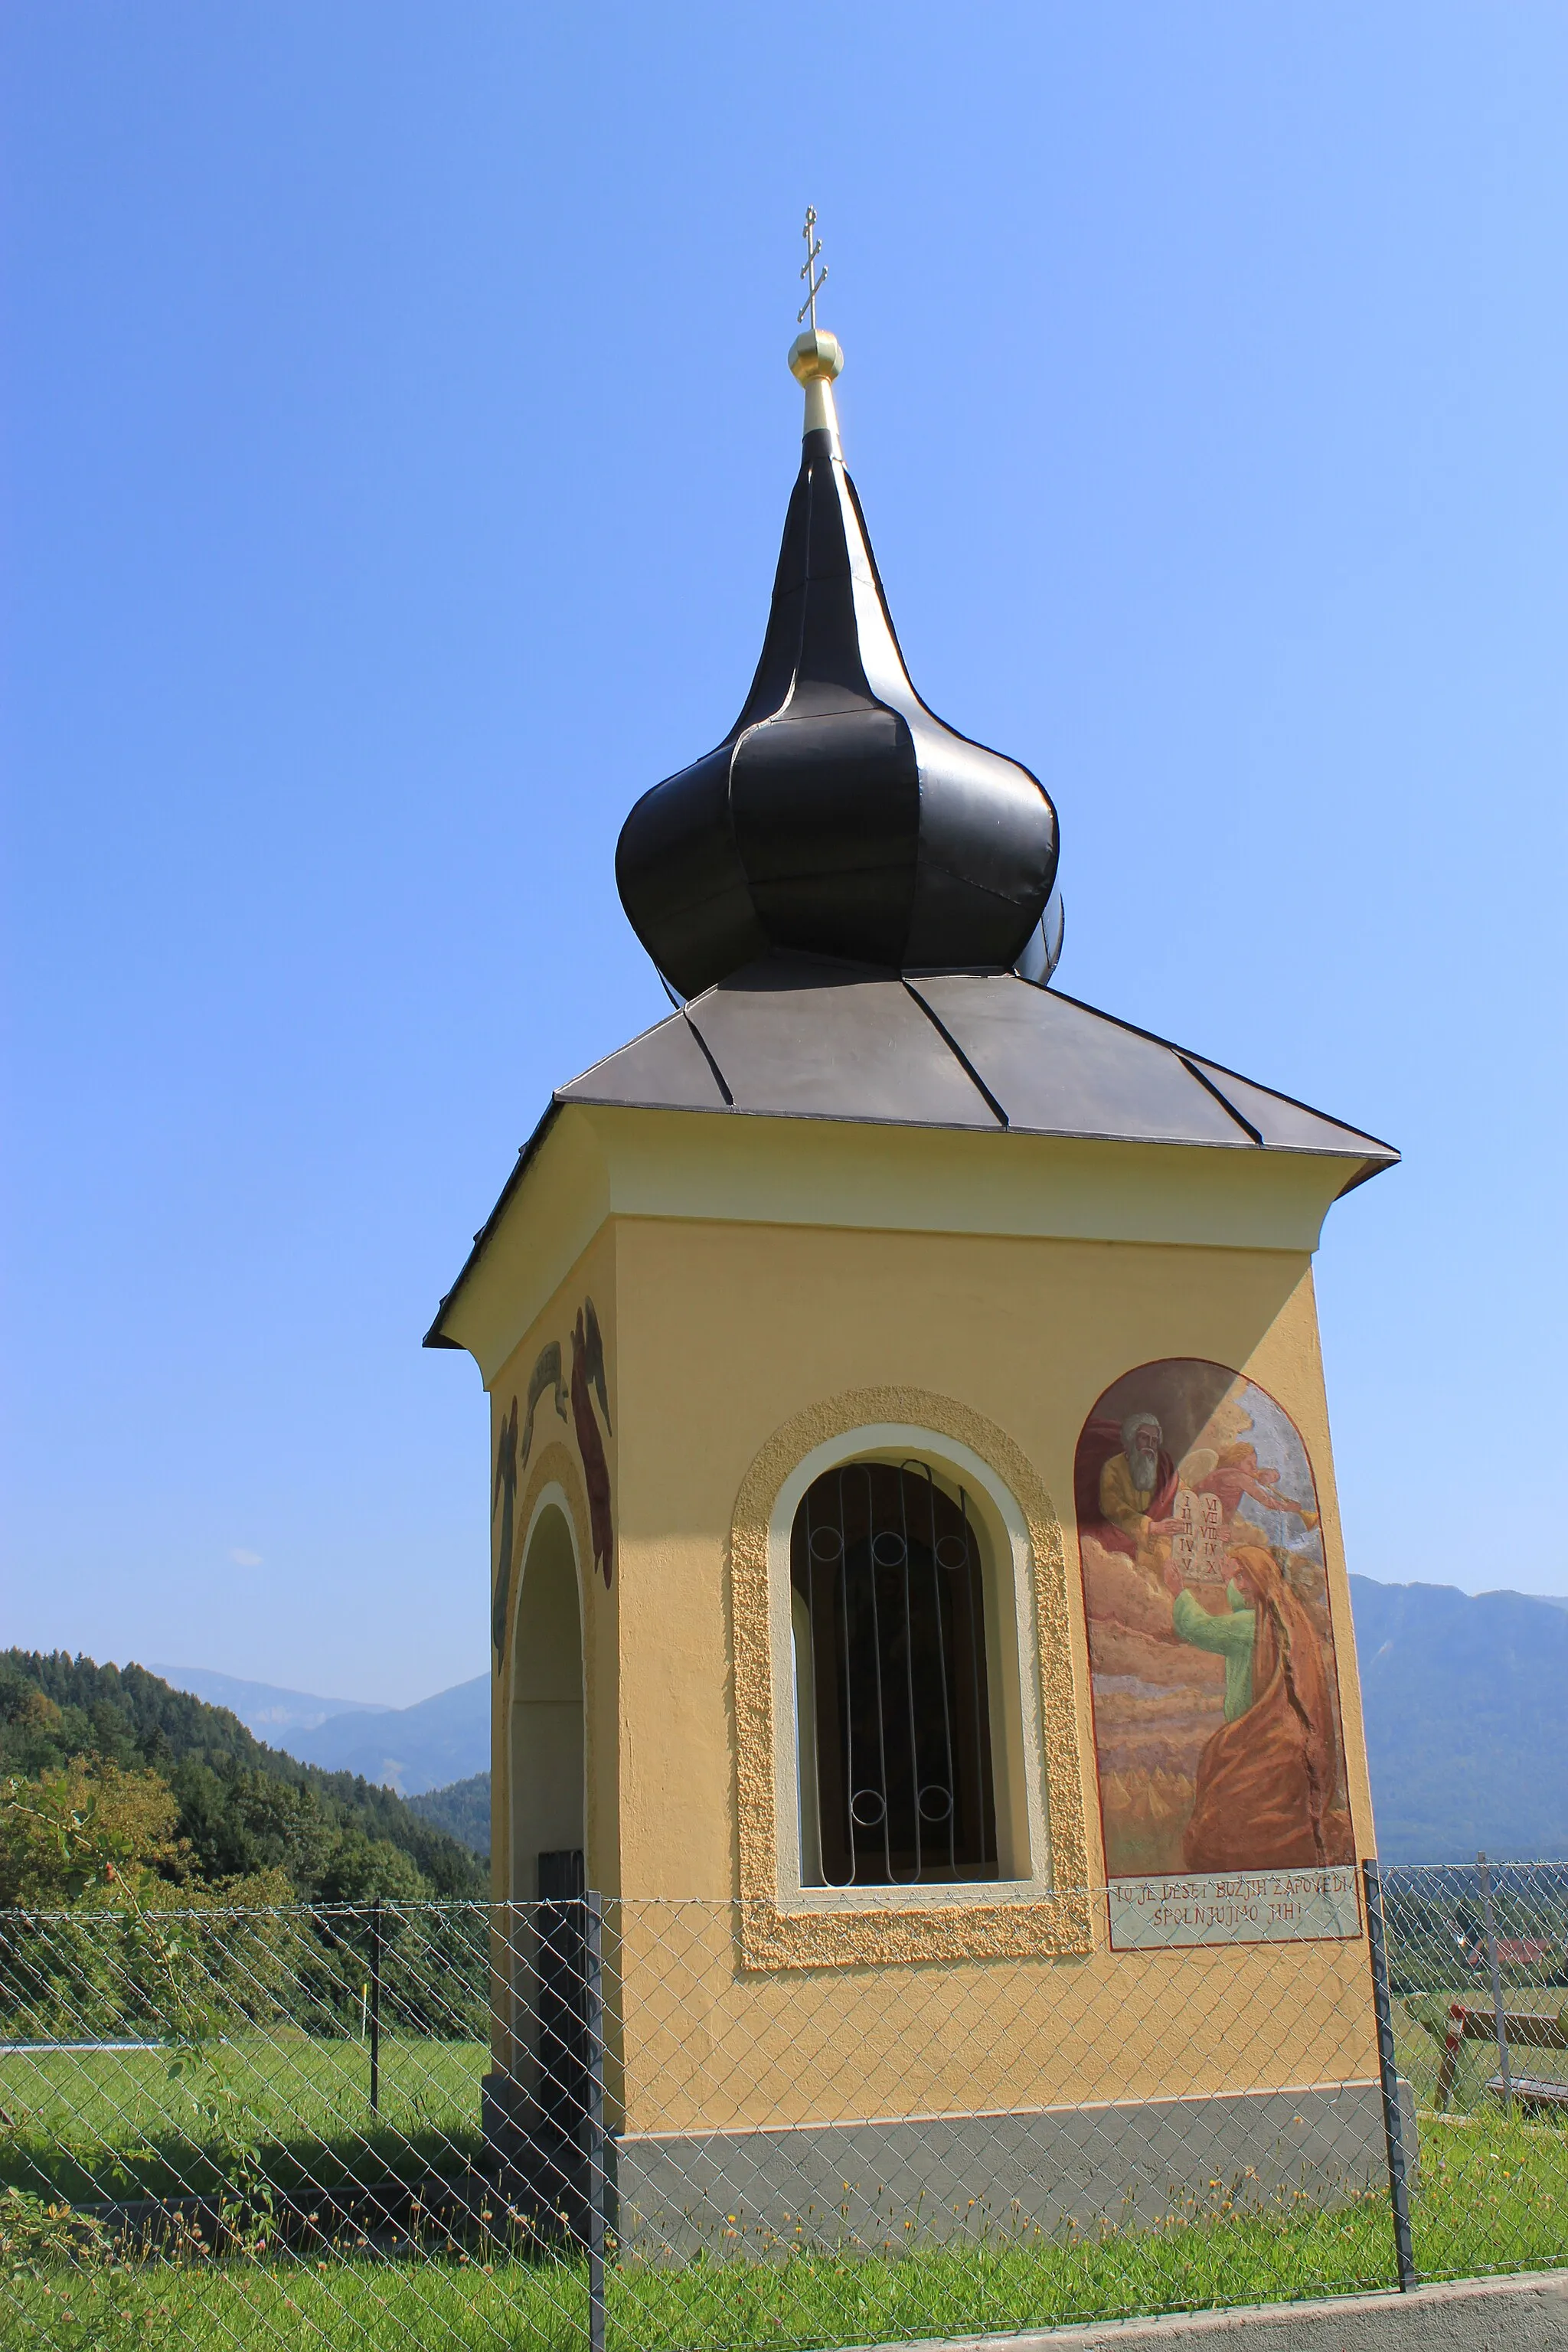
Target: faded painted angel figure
<point x="1236" y="1475"/>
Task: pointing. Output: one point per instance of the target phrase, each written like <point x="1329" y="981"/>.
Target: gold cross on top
<point x="814" y="286"/>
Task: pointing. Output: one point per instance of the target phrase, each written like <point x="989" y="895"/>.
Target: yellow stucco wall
<point x="723" y="1326"/>
<point x="554" y="1467"/>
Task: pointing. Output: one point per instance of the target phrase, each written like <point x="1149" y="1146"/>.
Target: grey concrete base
<point x="1509" y="2315"/>
<point x="886" y="2185"/>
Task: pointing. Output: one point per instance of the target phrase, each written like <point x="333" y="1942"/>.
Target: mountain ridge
<point x="266" y="1709"/>
<point x="1465" y="1702"/>
<point x="443" y="1738"/>
<point x="1464" y="1696"/>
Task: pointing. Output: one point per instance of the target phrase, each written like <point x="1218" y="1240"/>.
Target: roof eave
<point x="1373" y="1165"/>
<point x="436" y="1337"/>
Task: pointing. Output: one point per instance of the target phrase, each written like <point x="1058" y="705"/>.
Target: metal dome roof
<point x="840" y="816"/>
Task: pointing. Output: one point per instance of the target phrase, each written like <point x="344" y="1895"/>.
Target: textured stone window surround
<point x="783" y="1925"/>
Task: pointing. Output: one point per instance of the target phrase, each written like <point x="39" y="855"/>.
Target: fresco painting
<point x="545" y="1379"/>
<point x="589" y="1382"/>
<point x="548" y="1379"/>
<point x="503" y="1497"/>
<point x="1216" y="1705"/>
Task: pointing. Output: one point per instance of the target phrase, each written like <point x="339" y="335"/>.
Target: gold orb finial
<point x="815" y="357"/>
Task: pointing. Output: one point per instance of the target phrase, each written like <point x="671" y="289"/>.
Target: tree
<point x="88" y="1831"/>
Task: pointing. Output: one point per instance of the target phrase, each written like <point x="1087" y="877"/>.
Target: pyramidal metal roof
<point x="801" y="1037"/>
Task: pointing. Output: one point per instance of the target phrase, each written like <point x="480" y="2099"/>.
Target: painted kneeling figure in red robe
<point x="1267" y="1784"/>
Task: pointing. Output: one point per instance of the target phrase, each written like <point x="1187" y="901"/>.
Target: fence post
<point x="594" y="2151"/>
<point x="375" y="2007"/>
<point x="1393" y="2116"/>
<point x="1498" y="2019"/>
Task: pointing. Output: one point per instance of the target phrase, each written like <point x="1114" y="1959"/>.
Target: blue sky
<point x="398" y="439"/>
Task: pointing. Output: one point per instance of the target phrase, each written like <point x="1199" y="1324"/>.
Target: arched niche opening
<point x="547" y="1759"/>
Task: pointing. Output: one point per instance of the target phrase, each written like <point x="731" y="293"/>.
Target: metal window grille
<point x="891" y="1665"/>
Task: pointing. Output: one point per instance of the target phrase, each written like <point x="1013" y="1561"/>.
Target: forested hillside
<point x="109" y="1771"/>
<point x="463" y="1807"/>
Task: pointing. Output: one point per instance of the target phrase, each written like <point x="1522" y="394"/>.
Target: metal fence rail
<point x="587" y="2121"/>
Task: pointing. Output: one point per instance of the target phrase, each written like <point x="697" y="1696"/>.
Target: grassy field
<point x="91" y="2126"/>
<point x="85" y="2126"/>
<point x="1493" y="2196"/>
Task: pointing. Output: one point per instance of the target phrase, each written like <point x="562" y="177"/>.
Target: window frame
<point x="1013" y="1675"/>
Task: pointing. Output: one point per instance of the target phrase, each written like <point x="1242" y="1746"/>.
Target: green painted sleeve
<point x="1229" y="1636"/>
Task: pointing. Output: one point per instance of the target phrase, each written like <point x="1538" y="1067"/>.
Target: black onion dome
<point x="840" y="816"/>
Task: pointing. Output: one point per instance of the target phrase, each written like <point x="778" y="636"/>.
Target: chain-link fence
<point x="486" y="2125"/>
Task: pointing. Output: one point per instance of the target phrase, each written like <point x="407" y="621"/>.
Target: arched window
<point x="892" y="1711"/>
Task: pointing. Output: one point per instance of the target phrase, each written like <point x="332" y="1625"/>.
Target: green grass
<point x="92" y="2125"/>
<point x="1493" y="2197"/>
<point x="803" y="2301"/>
